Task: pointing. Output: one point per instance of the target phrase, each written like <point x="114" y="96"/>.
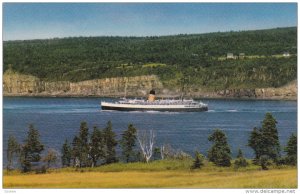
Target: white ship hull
<point x="154" y="107"/>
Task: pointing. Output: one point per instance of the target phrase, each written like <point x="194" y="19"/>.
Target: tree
<point x="240" y="160"/>
<point x="51" y="157"/>
<point x="13" y="148"/>
<point x="76" y="152"/>
<point x="255" y="142"/>
<point x="83" y="133"/>
<point x="291" y="150"/>
<point x="97" y="147"/>
<point x="220" y="152"/>
<point x="265" y="141"/>
<point x="80" y="147"/>
<point x="24" y="161"/>
<point x="110" y="144"/>
<point x="66" y="154"/>
<point x="83" y="144"/>
<point x="31" y="150"/>
<point x="199" y="161"/>
<point x="264" y="162"/>
<point x="128" y="143"/>
<point x="146" y="143"/>
<point x="271" y="139"/>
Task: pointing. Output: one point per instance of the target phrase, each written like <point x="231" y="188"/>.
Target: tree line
<point x="99" y="148"/>
<point x="196" y="55"/>
<point x="263" y="140"/>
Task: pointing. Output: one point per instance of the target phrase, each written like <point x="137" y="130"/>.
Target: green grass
<point x="154" y="166"/>
<point x="157" y="165"/>
<point x="156" y="174"/>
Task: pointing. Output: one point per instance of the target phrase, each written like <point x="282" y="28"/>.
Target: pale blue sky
<point x="48" y="20"/>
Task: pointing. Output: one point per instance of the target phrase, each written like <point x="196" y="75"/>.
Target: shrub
<point x="240" y="160"/>
<point x="167" y="152"/>
<point x="199" y="161"/>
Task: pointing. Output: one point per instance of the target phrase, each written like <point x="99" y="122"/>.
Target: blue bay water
<point x="58" y="119"/>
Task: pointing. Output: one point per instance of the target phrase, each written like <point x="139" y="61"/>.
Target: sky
<point x="22" y="21"/>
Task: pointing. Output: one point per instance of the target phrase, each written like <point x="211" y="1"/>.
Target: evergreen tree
<point x="83" y="144"/>
<point x="24" y="160"/>
<point x="271" y="139"/>
<point x="240" y="160"/>
<point x="13" y="148"/>
<point x="31" y="150"/>
<point x="76" y="155"/>
<point x="97" y="146"/>
<point x="265" y="141"/>
<point x="264" y="162"/>
<point x="291" y="150"/>
<point x="255" y="142"/>
<point x="220" y="152"/>
<point x="128" y="142"/>
<point x="83" y="133"/>
<point x="199" y="161"/>
<point x="66" y="154"/>
<point x="110" y="144"/>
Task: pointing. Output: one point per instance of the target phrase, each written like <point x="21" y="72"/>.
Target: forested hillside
<point x="196" y="60"/>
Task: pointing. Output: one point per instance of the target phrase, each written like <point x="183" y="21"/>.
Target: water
<point x="58" y="119"/>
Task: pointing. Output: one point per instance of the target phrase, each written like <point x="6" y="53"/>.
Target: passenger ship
<point x="152" y="104"/>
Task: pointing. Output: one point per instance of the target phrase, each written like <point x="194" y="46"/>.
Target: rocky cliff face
<point x="288" y="91"/>
<point x="15" y="84"/>
<point x="22" y="85"/>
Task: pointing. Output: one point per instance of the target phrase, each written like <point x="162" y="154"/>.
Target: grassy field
<point x="159" y="174"/>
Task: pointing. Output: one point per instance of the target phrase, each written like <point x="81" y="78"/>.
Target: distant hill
<point x="199" y="60"/>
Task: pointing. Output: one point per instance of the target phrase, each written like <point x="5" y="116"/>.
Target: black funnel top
<point x="152" y="92"/>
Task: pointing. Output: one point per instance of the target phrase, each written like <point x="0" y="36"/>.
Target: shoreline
<point x="15" y="84"/>
<point x="274" y="98"/>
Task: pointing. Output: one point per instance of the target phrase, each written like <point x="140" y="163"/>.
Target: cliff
<point x="16" y="84"/>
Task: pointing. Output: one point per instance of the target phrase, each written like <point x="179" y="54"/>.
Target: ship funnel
<point x="151" y="97"/>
